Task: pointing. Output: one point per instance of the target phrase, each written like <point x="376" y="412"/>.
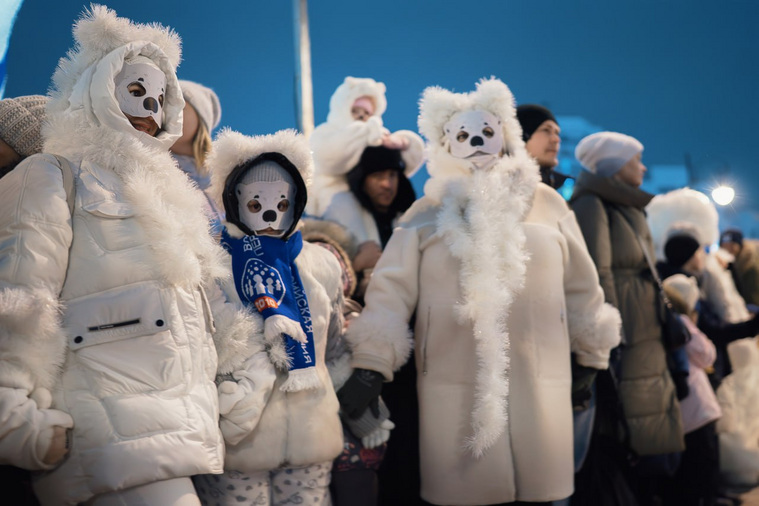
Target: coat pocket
<point x="112" y="224"/>
<point x="123" y="339"/>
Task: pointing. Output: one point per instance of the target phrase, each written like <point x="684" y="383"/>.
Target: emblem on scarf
<point x="267" y="279"/>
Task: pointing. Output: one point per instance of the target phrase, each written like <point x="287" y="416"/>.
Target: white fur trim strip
<point x="301" y="379"/>
<point x="481" y="221"/>
<point x="385" y="343"/>
<point x="32" y="344"/>
<point x="238" y="335"/>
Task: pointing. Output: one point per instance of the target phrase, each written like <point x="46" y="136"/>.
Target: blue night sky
<point x="682" y="76"/>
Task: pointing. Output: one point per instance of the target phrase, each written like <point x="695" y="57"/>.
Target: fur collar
<point x="167" y="205"/>
<point x="480" y="219"/>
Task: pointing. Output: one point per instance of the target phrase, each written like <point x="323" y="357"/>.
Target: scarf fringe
<point x="302" y="379"/>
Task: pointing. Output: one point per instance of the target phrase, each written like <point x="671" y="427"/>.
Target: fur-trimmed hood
<point x="233" y="150"/>
<point x="438" y="105"/>
<point x="682" y="205"/>
<point x="83" y="88"/>
<point x="352" y="88"/>
<point x="85" y="125"/>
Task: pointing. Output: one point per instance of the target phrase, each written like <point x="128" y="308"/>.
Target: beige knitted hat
<point x="20" y="122"/>
<point x="205" y="102"/>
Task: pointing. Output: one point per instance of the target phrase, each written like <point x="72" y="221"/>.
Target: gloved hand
<point x="379" y="436"/>
<point x="681" y="385"/>
<point x="582" y="385"/>
<point x="362" y="390"/>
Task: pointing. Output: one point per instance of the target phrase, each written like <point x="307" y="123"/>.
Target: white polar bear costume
<point x="337" y="144"/>
<point x="494" y="264"/>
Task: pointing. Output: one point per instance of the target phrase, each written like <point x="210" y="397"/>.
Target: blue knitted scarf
<point x="267" y="278"/>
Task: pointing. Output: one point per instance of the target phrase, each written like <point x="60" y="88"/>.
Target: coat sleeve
<point x="700" y="349"/>
<point x="594" y="223"/>
<point x="35" y="236"/>
<point x="380" y="338"/>
<point x="337" y="148"/>
<point x="594" y="326"/>
<point x="337" y="355"/>
<point x="346" y="210"/>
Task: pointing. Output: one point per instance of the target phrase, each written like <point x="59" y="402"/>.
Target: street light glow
<point x="723" y="195"/>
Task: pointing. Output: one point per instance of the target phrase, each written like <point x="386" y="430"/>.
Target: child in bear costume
<point x="279" y="411"/>
<point x="495" y="267"/>
<point x="354" y="123"/>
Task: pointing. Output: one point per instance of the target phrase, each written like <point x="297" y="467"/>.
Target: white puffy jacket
<point x="130" y="357"/>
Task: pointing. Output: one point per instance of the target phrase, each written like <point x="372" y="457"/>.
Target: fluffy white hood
<point x="231" y="149"/>
<point x="438" y="105"/>
<point x="83" y="85"/>
<point x="352" y="88"/>
<point x="85" y="125"/>
<point x="683" y="205"/>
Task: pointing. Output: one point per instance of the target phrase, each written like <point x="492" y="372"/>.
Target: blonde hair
<point x="201" y="147"/>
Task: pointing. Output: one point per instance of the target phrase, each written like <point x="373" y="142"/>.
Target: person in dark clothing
<point x="379" y="192"/>
<point x="540" y="132"/>
<point x="684" y="255"/>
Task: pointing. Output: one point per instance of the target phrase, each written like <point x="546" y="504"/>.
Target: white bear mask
<point x="262" y="205"/>
<point x="475" y="136"/>
<point x="148" y="101"/>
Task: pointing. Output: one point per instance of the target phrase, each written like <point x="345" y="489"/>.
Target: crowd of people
<point x="248" y="320"/>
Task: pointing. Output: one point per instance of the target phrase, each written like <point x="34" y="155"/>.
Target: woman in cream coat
<point x="494" y="265"/>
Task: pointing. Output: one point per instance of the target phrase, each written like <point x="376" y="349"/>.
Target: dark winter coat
<point x="746" y="272"/>
<point x="610" y="214"/>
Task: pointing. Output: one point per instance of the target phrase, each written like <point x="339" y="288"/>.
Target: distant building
<point x="665" y="178"/>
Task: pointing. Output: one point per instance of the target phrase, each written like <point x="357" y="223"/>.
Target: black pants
<point x="697" y="479"/>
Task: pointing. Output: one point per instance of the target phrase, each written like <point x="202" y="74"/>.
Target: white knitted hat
<point x="684" y="288"/>
<point x="604" y="153"/>
<point x="204" y="100"/>
<point x="20" y="122"/>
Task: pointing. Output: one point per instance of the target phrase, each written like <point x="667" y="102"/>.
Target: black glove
<point x="582" y="385"/>
<point x="362" y="390"/>
<point x="681" y="385"/>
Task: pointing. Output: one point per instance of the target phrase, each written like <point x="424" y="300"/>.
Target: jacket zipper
<point x="424" y="346"/>
<point x="109" y="326"/>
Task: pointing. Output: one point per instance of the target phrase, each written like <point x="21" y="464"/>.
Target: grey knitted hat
<point x="204" y="101"/>
<point x="267" y="171"/>
<point x="20" y="123"/>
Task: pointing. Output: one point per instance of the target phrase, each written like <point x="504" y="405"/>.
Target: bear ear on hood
<point x="231" y="149"/>
<point x="494" y="96"/>
<point x="436" y="107"/>
<point x="99" y="31"/>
